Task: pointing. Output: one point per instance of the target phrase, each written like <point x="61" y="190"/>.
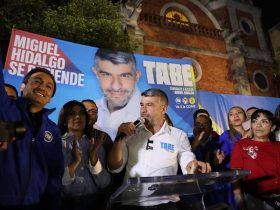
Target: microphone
<point x="138" y="123"/>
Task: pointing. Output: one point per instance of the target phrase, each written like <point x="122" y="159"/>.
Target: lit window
<point x="176" y="16"/>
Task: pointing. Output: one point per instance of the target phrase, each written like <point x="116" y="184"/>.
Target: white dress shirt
<point x="170" y="146"/>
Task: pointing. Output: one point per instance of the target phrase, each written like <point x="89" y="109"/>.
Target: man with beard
<point x="155" y="150"/>
<point x="117" y="75"/>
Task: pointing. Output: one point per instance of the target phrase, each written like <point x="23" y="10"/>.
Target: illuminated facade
<point x="224" y="38"/>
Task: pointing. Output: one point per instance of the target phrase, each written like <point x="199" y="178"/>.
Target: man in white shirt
<point x="117" y="75"/>
<point x="155" y="151"/>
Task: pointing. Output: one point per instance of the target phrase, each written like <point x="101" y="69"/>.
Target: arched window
<point x="176" y="16"/>
<point x="175" y="11"/>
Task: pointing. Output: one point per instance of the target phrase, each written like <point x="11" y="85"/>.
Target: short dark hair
<point x="252" y="107"/>
<point x="116" y="57"/>
<point x="266" y="113"/>
<point x="269" y="116"/>
<point x="152" y="92"/>
<point x="200" y="112"/>
<point x="89" y="100"/>
<point x="205" y="116"/>
<point x="39" y="69"/>
<point x="12" y="87"/>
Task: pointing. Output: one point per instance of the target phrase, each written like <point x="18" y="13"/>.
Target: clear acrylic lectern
<point x="141" y="188"/>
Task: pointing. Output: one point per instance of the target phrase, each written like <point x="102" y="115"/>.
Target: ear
<point x="273" y="128"/>
<point x="95" y="71"/>
<point x="137" y="75"/>
<point x="22" y="87"/>
<point x="164" y="109"/>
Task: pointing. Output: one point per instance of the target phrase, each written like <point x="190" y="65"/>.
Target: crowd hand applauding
<point x="200" y="137"/>
<point x="195" y="167"/>
<point x="77" y="158"/>
<point x="220" y="156"/>
<point x="198" y="140"/>
<point x="94" y="145"/>
<point x="76" y="151"/>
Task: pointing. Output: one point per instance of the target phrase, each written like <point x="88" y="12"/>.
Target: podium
<point x="155" y="188"/>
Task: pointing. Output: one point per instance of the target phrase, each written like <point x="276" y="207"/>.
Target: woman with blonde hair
<point x="236" y="116"/>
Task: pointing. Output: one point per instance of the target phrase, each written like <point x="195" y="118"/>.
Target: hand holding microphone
<point x="128" y="129"/>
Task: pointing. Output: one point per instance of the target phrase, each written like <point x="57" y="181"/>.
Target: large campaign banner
<point x="218" y="106"/>
<point x="72" y="64"/>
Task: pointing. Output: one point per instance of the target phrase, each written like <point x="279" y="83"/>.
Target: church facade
<point x="223" y="38"/>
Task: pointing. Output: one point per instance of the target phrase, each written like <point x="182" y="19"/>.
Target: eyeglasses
<point x="92" y="111"/>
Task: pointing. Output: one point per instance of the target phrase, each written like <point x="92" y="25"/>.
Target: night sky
<point x="270" y="12"/>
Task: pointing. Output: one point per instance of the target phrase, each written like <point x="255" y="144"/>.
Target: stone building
<point x="224" y="39"/>
<point x="274" y="34"/>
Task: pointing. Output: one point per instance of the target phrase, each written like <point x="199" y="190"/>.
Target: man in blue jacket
<point x="31" y="166"/>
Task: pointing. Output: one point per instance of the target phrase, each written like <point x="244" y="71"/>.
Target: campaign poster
<point x="218" y="106"/>
<point x="72" y="66"/>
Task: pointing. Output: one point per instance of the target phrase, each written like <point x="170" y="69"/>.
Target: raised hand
<point x="125" y="129"/>
<point x="219" y="157"/>
<point x="197" y="141"/>
<point x="94" y="145"/>
<point x="76" y="151"/>
<point x="77" y="158"/>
